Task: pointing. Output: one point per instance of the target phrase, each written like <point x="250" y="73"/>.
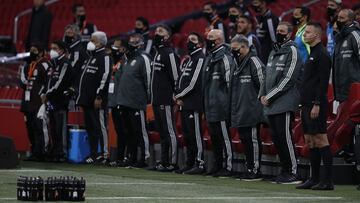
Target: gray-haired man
<point x="93" y="95"/>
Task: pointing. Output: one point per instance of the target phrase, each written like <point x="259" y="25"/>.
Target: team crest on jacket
<point x="345" y="44"/>
<point x="93" y="61"/>
<point x="133" y="62"/>
<point x="158" y="57"/>
<point x="86" y="31"/>
<point x="281" y="58"/>
<point x="35" y="72"/>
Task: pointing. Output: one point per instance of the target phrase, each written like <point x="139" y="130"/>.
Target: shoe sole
<point x="291" y="183"/>
<point x="252" y="180"/>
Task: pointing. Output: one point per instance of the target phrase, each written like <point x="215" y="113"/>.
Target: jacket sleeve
<point x="229" y="66"/>
<point x="272" y="24"/>
<point x="257" y="75"/>
<point x="146" y="72"/>
<point x="172" y="64"/>
<point x="195" y="77"/>
<point x="23" y="76"/>
<point x="63" y="81"/>
<point x="356" y="44"/>
<point x="104" y="65"/>
<point x="289" y="76"/>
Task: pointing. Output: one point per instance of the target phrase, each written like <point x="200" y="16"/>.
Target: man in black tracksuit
<point x="93" y="96"/>
<point x="142" y="27"/>
<point x="346" y="63"/>
<point x="33" y="81"/>
<point x="59" y="82"/>
<point x="280" y="97"/>
<point x="246" y="109"/>
<point x="77" y="53"/>
<point x="314" y="106"/>
<point x="267" y="24"/>
<point x="133" y="90"/>
<point x="40" y="25"/>
<point x="215" y="22"/>
<point x="86" y="28"/>
<point x="163" y="81"/>
<point x="189" y="97"/>
<point x="216" y="78"/>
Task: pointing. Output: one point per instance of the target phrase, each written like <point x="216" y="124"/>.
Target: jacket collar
<point x="218" y="53"/>
<point x="74" y="43"/>
<point x="195" y="51"/>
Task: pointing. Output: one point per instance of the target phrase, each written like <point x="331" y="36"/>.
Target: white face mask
<point x="53" y="54"/>
<point x="90" y="46"/>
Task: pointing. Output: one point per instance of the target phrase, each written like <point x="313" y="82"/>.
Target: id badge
<point x="335" y="106"/>
<point x="27" y="95"/>
<point x="111" y="88"/>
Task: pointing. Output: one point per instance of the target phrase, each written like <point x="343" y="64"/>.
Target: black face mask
<point x="208" y="16"/>
<point x="330" y="12"/>
<point x="82" y="18"/>
<point x="116" y="54"/>
<point x="68" y="40"/>
<point x="236" y="54"/>
<point x="233" y="18"/>
<point x="340" y="25"/>
<point x="191" y="46"/>
<point x="295" y="21"/>
<point x="33" y="56"/>
<point x="131" y="51"/>
<point x="210" y="44"/>
<point x="280" y="38"/>
<point x="139" y="30"/>
<point x="159" y="40"/>
<point x="257" y="9"/>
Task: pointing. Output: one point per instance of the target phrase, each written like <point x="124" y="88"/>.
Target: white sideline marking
<point x="205" y="198"/>
<point x="141" y="183"/>
<point x="29" y="170"/>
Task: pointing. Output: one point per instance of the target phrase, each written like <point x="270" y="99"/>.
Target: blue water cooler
<point x="79" y="147"/>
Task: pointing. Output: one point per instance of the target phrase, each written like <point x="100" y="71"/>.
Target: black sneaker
<point x="182" y="170"/>
<point x="307" y="184"/>
<point x="161" y="168"/>
<point x="358" y="187"/>
<point x="251" y="176"/>
<point x="195" y="171"/>
<point x="212" y="172"/>
<point x="100" y="160"/>
<point x="288" y="179"/>
<point x="139" y="165"/>
<point x="113" y="163"/>
<point x="329" y="185"/>
<point x="172" y="167"/>
<point x="223" y="173"/>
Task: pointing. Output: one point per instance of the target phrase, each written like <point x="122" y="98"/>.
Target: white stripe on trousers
<point x="227" y="145"/>
<point x="169" y="122"/>
<point x="198" y="137"/>
<point x="255" y="143"/>
<point x="290" y="144"/>
<point x="64" y="131"/>
<point x="104" y="132"/>
<point x="145" y="135"/>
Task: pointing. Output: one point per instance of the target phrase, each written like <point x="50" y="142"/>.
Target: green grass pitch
<point x="105" y="184"/>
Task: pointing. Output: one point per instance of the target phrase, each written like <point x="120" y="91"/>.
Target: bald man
<point x="216" y="77"/>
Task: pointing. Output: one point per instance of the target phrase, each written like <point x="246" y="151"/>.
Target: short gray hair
<point x="101" y="36"/>
<point x="74" y="28"/>
<point x="241" y="39"/>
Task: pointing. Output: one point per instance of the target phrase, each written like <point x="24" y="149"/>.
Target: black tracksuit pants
<point x="280" y="126"/>
<point x="95" y="125"/>
<point x="165" y="124"/>
<point x="58" y="129"/>
<point x="134" y="126"/>
<point x="121" y="138"/>
<point x="37" y="132"/>
<point x="191" y="127"/>
<point x="250" y="137"/>
<point x="221" y="144"/>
